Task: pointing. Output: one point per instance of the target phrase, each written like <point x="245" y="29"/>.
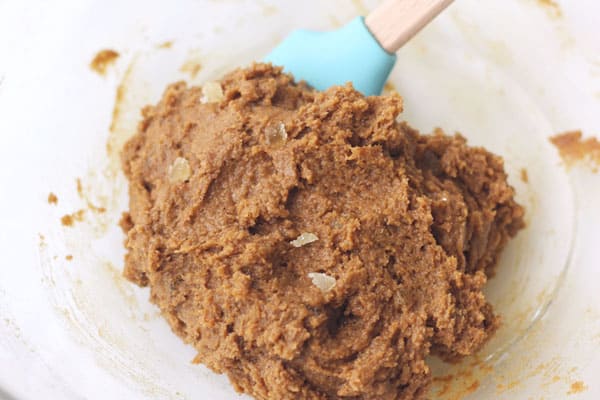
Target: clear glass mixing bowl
<point x="103" y="339"/>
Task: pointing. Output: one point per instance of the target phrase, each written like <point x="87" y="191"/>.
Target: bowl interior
<point x="444" y="82"/>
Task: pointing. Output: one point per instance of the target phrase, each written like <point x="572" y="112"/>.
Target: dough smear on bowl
<point x="308" y="244"/>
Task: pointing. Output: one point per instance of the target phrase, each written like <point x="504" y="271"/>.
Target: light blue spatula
<point x="361" y="52"/>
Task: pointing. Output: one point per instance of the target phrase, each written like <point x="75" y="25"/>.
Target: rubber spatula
<point x="361" y="52"/>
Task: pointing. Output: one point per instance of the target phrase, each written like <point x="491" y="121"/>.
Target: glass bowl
<point x="102" y="337"/>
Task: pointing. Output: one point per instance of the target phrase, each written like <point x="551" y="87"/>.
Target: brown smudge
<point x="473" y="387"/>
<point x="550" y="373"/>
<point x="125" y="116"/>
<point x="119" y="99"/>
<point x="551" y="7"/>
<point x="116" y="109"/>
<point x="191" y="67"/>
<point x="69" y="257"/>
<point x="268" y="10"/>
<point x="513" y="384"/>
<point x="574" y="149"/>
<point x="334" y="21"/>
<point x="52" y="199"/>
<point x="79" y="187"/>
<point x="96" y="209"/>
<point x="82" y="195"/>
<point x="67" y="220"/>
<point x="465" y="381"/>
<point x="102" y="60"/>
<point x="165" y="45"/>
<point x="70" y="219"/>
<point x="444" y="383"/>
<point x="389" y="89"/>
<point x="577" y="387"/>
<point x="524" y="175"/>
<point x="360" y="7"/>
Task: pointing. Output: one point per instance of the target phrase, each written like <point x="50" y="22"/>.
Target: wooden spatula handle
<point x="394" y="22"/>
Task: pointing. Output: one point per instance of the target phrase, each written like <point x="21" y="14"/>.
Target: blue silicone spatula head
<point x="324" y="59"/>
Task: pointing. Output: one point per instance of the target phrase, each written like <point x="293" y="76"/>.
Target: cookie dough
<point x="308" y="244"/>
